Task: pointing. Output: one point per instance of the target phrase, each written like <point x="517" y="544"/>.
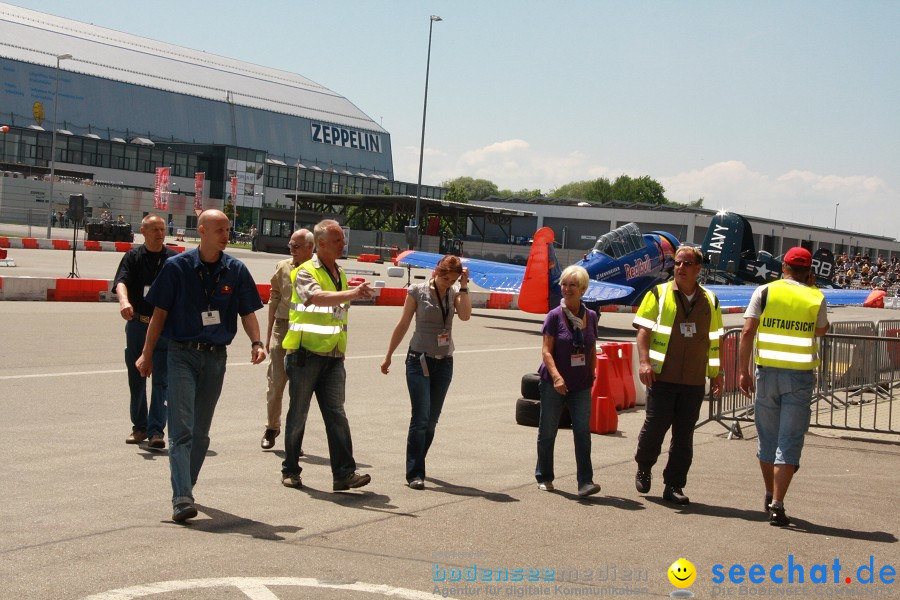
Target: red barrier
<point x="79" y="290"/>
<point x="355" y="281"/>
<point x="391" y="297"/>
<point x="4" y="242"/>
<point x="123" y="246"/>
<point x="603" y="409"/>
<point x="623" y="369"/>
<point x="368" y="258"/>
<point x="61" y="245"/>
<point x="30" y="243"/>
<point x="93" y="245"/>
<point x="615" y="387"/>
<point x="265" y="291"/>
<point x="499" y="300"/>
<point x="2" y="253"/>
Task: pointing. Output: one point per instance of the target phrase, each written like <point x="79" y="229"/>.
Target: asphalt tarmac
<point x="86" y="516"/>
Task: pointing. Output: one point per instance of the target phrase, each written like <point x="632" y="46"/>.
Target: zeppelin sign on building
<point x="347" y="138"/>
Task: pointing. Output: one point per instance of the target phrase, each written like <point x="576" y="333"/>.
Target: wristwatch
<point x="464" y="290"/>
<point x="257" y="343"/>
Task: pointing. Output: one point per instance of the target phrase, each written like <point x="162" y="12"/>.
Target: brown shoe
<point x="157" y="442"/>
<point x="136" y="437"/>
<point x="268" y="439"/>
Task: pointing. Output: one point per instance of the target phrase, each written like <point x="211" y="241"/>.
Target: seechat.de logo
<point x="796" y="572"/>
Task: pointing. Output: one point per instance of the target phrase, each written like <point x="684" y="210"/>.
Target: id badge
<point x="146" y="289"/>
<point x="210" y="317"/>
<point x="578" y="360"/>
<point x="443" y="339"/>
<point x="688" y="329"/>
<point x="337" y="312"/>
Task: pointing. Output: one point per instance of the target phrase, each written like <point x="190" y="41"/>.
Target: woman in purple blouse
<point x="567" y="375"/>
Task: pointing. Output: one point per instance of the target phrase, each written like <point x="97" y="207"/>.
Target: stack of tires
<point x="528" y="407"/>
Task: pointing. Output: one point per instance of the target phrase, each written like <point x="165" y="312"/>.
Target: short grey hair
<point x="322" y="228"/>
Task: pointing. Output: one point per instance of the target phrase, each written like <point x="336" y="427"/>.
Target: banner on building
<point x="161" y="190"/>
<point x="198" y="192"/>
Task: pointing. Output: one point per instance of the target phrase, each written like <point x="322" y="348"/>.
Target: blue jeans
<point x="153" y="422"/>
<point x="426" y="395"/>
<point x="783" y="398"/>
<point x="551" y="407"/>
<point x="195" y="382"/>
<point x="324" y="375"/>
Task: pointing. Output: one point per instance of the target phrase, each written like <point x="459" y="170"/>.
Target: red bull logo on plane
<point x="641" y="266"/>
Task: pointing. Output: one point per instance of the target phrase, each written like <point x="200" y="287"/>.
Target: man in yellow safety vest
<point x="784" y="318"/>
<point x="315" y="344"/>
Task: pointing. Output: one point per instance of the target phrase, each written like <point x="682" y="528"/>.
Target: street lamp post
<point x="53" y="139"/>
<point x="424" y="112"/>
<point x="835" y="213"/>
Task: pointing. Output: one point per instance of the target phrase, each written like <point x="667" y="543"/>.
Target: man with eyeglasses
<point x="679" y="325"/>
<point x="301" y="246"/>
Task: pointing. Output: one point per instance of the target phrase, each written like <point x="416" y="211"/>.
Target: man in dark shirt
<point x="197" y="299"/>
<point x="137" y="270"/>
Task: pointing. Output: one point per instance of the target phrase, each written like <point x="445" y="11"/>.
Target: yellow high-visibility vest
<point x="314" y="327"/>
<point x="660" y="322"/>
<point x="786" y="337"/>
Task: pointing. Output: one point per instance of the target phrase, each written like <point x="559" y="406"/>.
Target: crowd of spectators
<point x="863" y="272"/>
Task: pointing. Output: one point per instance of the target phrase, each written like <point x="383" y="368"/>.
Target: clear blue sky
<point x="771" y="108"/>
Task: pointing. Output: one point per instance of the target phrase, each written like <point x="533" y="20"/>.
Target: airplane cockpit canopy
<point x="620" y="241"/>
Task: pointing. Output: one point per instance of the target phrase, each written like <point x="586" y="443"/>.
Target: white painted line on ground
<point x="256" y="588"/>
<point x="240" y="364"/>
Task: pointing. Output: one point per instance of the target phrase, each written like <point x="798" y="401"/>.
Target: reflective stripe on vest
<point x="787" y="327"/>
<point x="314" y="327"/>
<point x="660" y="322"/>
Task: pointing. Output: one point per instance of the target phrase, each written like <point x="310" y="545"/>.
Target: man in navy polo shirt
<point x="197" y="299"/>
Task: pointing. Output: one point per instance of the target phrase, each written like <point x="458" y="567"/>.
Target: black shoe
<point x="268" y="439"/>
<point x="675" y="495"/>
<point x="642" y="481"/>
<point x="777" y="517"/>
<point x="183" y="512"/>
<point x="768" y="503"/>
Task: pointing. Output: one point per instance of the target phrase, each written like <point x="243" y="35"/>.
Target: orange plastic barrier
<point x="265" y="291"/>
<point x="624" y="372"/>
<point x="30" y="243"/>
<point x="92" y="245"/>
<point x="4" y="242"/>
<point x="394" y="252"/>
<point x="368" y="258"/>
<point x="355" y="281"/>
<point x="499" y="300"/>
<point x="61" y="245"/>
<point x="123" y="246"/>
<point x="614" y="386"/>
<point x="604" y="418"/>
<point x="2" y="253"/>
<point x="79" y="290"/>
<point x="391" y="297"/>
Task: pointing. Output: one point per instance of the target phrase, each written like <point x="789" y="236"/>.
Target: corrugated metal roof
<point x="39" y="38"/>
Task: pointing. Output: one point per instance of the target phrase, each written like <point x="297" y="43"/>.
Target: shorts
<point x="782" y="414"/>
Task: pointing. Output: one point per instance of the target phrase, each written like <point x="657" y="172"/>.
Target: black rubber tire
<point x="530" y="386"/>
<point x="528" y="412"/>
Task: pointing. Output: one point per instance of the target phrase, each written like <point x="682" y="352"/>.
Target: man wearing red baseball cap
<point x="783" y="319"/>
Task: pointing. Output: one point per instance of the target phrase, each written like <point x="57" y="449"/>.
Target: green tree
<point x="643" y="189"/>
<point x="474" y="189"/>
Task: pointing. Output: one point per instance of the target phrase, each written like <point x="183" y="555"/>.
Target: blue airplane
<point x="622" y="266"/>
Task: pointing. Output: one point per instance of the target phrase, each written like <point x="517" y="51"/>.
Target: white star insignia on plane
<point x="762" y="271"/>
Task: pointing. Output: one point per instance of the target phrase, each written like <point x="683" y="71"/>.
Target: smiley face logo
<point x="682" y="573"/>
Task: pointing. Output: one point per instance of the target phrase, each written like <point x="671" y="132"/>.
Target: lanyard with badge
<point x="156" y="270"/>
<point x="578" y="355"/>
<point x="210" y="316"/>
<point x="443" y="338"/>
<point x="337" y="312"/>
<point x="688" y="328"/>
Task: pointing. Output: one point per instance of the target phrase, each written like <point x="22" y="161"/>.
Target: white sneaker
<point x="546" y="486"/>
<point x="588" y="489"/>
<point x="417" y="483"/>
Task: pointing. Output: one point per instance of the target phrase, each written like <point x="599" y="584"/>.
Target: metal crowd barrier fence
<point x="856" y="385"/>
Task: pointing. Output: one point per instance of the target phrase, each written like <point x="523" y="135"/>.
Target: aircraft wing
<point x="490" y="275"/>
<point x="604" y="292"/>
<point x="739" y="295"/>
<point x="501" y="277"/>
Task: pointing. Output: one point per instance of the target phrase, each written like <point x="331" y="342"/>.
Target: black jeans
<point x="676" y="406"/>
